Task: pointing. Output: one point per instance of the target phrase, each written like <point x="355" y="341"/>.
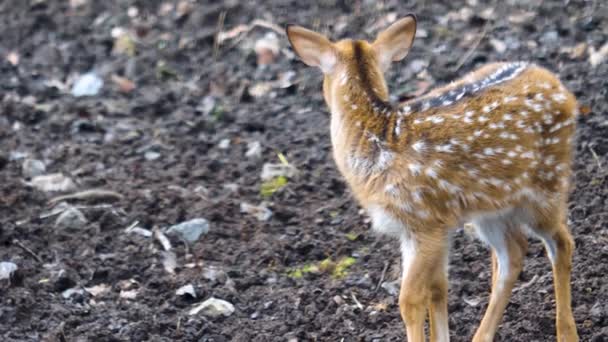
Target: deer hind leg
<point x="438" y="308"/>
<point x="509" y="246"/>
<point x="424" y="286"/>
<point x="559" y="244"/>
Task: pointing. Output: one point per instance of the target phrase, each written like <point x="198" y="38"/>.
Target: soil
<point x="190" y="94"/>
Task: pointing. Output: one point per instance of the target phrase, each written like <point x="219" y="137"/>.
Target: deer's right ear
<point x="313" y="48"/>
<point x="394" y="43"/>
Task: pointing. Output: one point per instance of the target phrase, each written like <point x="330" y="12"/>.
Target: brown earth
<point x="190" y="96"/>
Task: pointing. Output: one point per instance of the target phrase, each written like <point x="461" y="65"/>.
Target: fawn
<point x="492" y="149"/>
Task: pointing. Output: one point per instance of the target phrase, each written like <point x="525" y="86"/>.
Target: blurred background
<point x="166" y="170"/>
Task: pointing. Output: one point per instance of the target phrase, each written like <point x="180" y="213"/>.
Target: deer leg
<point x="509" y="245"/>
<point x="560" y="246"/>
<point x="438" y="309"/>
<point x="423" y="257"/>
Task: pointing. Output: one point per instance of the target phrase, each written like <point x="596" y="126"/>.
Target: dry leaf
<point x="124" y="84"/>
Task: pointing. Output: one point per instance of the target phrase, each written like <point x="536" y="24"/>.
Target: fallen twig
<point x="472" y="49"/>
<point x="88" y="194"/>
<point x="597" y="158"/>
<point x="27" y="250"/>
<point x="83" y="207"/>
<point x="382" y="276"/>
<point x="162" y="238"/>
<point x="239" y="29"/>
<point x="217" y="41"/>
<point x="357" y="303"/>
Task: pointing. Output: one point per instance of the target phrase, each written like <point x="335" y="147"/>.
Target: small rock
<point x="232" y="187"/>
<point x="52" y="182"/>
<point x="224" y="144"/>
<point x="267" y="48"/>
<point x="213" y="307"/>
<point x="254" y="150"/>
<point x="7" y="269"/>
<point x="128" y="294"/>
<point x="98" y="290"/>
<point x="32" y="168"/>
<point x="271" y="171"/>
<point x="151" y="155"/>
<point x="417" y="65"/>
<point x="597" y="310"/>
<point x="549" y="38"/>
<point x="596" y="57"/>
<point x="498" y="45"/>
<point x="169" y="261"/>
<point x="190" y="230"/>
<point x="141" y="231"/>
<point x="70" y="292"/>
<point x="71" y="218"/>
<point x="472" y="301"/>
<point x="213" y="273"/>
<point x="186" y="290"/>
<point x="16" y="155"/>
<point x="88" y="84"/>
<point x="392" y="287"/>
<point x="260" y="212"/>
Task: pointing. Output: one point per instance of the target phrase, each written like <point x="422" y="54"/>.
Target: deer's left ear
<point x="394" y="43"/>
<point x="313" y="48"/>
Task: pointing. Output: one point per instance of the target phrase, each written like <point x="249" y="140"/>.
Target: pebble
<point x="141" y="231"/>
<point x="88" y="84"/>
<point x="70" y="292"/>
<point x="213" y="273"/>
<point x="260" y="212"/>
<point x="213" y="307"/>
<point x="152" y="155"/>
<point x="71" y="218"/>
<point x="186" y="290"/>
<point x="271" y="171"/>
<point x="53" y="182"/>
<point x="254" y="150"/>
<point x="392" y="287"/>
<point x="7" y="269"/>
<point x="224" y="144"/>
<point x="190" y="230"/>
<point x="32" y="168"/>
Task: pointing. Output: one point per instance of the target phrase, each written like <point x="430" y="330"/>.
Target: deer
<point x="492" y="150"/>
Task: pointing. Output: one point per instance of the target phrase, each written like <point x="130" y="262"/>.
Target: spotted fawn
<point x="492" y="149"/>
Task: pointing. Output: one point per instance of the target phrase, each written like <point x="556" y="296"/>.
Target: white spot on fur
<point x="559" y="97"/>
<point x="414" y="168"/>
<point x="419" y="146"/>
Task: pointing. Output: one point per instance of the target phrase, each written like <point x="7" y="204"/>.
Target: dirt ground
<point x="175" y="148"/>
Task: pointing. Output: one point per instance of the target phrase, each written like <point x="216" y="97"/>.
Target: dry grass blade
<point x="88" y="194"/>
<point x="27" y="250"/>
<point x="162" y="239"/>
<point x="473" y="47"/>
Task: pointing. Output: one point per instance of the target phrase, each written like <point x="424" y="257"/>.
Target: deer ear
<point x="394" y="43"/>
<point x="313" y="48"/>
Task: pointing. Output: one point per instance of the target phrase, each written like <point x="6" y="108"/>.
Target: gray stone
<point x="53" y="182"/>
<point x="7" y="269"/>
<point x="71" y="218"/>
<point x="254" y="150"/>
<point x="213" y="307"/>
<point x="88" y="84"/>
<point x="151" y="155"/>
<point x="32" y="168"/>
<point x="190" y="230"/>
